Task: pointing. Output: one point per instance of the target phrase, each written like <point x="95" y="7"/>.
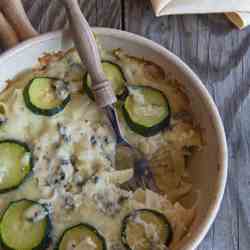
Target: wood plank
<point x="109" y="13"/>
<point x="48" y="15"/>
<point x="218" y="54"/>
<point x="240" y="133"/>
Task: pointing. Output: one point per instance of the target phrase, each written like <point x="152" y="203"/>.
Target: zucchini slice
<point x="15" y="164"/>
<point x="114" y="75"/>
<point x="146" y="229"/>
<point x="82" y="237"/>
<point x="146" y="110"/>
<point x="46" y="96"/>
<point x="19" y="231"/>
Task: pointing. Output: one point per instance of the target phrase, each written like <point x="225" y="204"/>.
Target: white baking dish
<point x="208" y="167"/>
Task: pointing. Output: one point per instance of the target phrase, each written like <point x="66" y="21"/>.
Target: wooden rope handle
<point x="8" y="36"/>
<point x="15" y="20"/>
<point x="88" y="51"/>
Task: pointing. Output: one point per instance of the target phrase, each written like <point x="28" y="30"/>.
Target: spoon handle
<point x="88" y="51"/>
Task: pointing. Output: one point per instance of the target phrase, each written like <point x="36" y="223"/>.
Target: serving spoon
<point x="104" y="95"/>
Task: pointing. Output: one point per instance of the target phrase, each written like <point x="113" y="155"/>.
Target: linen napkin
<point x="238" y="11"/>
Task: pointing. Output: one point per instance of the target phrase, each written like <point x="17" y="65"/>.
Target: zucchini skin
<point x="104" y="245"/>
<point x="126" y="218"/>
<point x="89" y="92"/>
<point x="25" y="146"/>
<point x="147" y="131"/>
<point x="39" y="111"/>
<point x="45" y="242"/>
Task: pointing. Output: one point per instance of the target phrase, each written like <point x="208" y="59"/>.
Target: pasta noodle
<point x="74" y="150"/>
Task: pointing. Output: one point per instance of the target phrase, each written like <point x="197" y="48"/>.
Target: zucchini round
<point x="146" y="229"/>
<point x="18" y="231"/>
<point x="40" y="96"/>
<point x="16" y="164"/>
<point x="114" y="75"/>
<point x="146" y="110"/>
<point x="82" y="236"/>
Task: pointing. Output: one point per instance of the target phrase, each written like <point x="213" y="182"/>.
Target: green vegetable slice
<point x="19" y="231"/>
<point x="146" y="110"/>
<point x="146" y="229"/>
<point x="114" y="75"/>
<point x="46" y="96"/>
<point x="15" y="164"/>
<point x="81" y="237"/>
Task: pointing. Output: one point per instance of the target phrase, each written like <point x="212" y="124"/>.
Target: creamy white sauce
<point x="74" y="172"/>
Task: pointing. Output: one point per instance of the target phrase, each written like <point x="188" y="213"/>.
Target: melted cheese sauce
<point x="74" y="172"/>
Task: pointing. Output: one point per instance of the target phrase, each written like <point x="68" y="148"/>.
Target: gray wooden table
<point x="220" y="55"/>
